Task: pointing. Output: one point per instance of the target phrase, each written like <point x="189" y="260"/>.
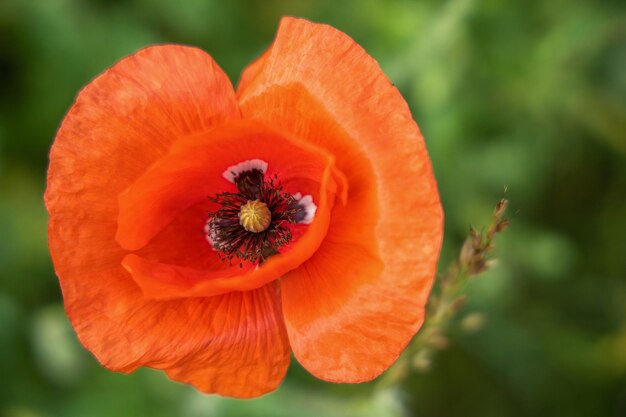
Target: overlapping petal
<point x="245" y="352"/>
<point x="193" y="171"/>
<point x="352" y="307"/>
<point x="119" y="126"/>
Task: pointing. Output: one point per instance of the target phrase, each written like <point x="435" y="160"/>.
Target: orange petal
<point x="191" y="173"/>
<point x="352" y="307"/>
<point x="251" y="71"/>
<point x="121" y="123"/>
<point x="248" y="352"/>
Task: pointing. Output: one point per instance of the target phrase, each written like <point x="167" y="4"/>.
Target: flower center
<point x="254" y="216"/>
<point x="256" y="221"/>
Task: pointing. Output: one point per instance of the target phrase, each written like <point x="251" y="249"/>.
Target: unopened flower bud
<point x="439" y="342"/>
<point x="501" y="208"/>
<point x="502" y="224"/>
<point x="422" y="361"/>
<point x="473" y="322"/>
<point x="477" y="238"/>
<point x="467" y="251"/>
<point x="458" y="303"/>
<point x="477" y="267"/>
<point x="491" y="263"/>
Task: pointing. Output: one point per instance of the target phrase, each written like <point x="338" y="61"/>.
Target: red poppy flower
<point x="208" y="232"/>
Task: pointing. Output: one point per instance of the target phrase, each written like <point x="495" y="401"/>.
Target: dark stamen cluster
<point x="228" y="236"/>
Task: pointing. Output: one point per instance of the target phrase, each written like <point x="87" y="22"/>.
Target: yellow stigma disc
<point x="254" y="216"/>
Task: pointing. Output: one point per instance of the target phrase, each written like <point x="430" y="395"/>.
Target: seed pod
<point x="254" y="216"/>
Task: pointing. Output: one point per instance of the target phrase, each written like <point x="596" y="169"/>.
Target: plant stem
<point x="449" y="299"/>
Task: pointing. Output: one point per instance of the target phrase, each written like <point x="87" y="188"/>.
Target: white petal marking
<point x="232" y="171"/>
<point x="309" y="207"/>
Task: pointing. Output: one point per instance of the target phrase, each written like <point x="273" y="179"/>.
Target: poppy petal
<point x="120" y="124"/>
<point x="191" y="173"/>
<point x="354" y="305"/>
<point x="249" y="74"/>
<point x="248" y="354"/>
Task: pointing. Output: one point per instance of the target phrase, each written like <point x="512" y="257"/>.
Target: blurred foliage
<point x="529" y="94"/>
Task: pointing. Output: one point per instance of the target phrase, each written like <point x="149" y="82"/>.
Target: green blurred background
<point x="529" y="94"/>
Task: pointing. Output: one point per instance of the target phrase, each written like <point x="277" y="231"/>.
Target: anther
<point x="254" y="216"/>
